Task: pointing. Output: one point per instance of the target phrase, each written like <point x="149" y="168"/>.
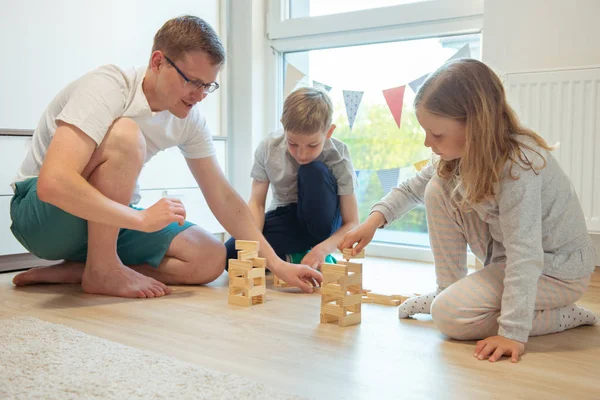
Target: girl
<point x="492" y="185"/>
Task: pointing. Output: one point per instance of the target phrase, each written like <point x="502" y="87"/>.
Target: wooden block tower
<point x="341" y="291"/>
<point x="247" y="285"/>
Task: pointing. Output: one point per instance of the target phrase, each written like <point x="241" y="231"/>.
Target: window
<point x="369" y="47"/>
<point x="312" y="8"/>
<point x="383" y="153"/>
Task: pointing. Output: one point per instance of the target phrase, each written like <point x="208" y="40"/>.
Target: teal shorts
<point x="53" y="234"/>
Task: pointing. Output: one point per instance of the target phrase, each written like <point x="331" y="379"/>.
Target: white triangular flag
<point x="292" y="77"/>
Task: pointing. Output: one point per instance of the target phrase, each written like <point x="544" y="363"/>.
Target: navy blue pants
<point x="300" y="226"/>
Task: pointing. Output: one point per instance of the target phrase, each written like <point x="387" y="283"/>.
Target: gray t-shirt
<point x="537" y="226"/>
<point x="273" y="163"/>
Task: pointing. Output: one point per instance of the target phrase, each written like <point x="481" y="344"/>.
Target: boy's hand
<point x="301" y="276"/>
<point x="314" y="258"/>
<point x="497" y="346"/>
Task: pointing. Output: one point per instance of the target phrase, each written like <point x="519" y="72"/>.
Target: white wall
<point x="528" y="35"/>
<point x="47" y="44"/>
<point x="251" y="70"/>
<point x="524" y="35"/>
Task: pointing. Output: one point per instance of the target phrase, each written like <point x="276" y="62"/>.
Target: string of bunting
<point x="394" y="97"/>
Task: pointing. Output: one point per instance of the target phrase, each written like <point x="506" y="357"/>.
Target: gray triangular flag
<point x="320" y="85"/>
<point x="388" y="179"/>
<point x="464" y="52"/>
<point x="416" y="84"/>
<point x="352" y="100"/>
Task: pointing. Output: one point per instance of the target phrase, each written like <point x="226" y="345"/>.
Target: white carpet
<point x="41" y="360"/>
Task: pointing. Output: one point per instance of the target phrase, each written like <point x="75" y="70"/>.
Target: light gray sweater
<point x="537" y="225"/>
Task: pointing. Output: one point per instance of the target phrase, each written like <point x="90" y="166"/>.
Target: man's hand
<point x="495" y="347"/>
<point x="301" y="276"/>
<point x="314" y="258"/>
<point x="161" y="214"/>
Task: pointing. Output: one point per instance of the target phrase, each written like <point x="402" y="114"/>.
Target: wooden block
<point x="355" y="308"/>
<point x="279" y="283"/>
<point x="239" y="282"/>
<point x="258" y="300"/>
<point x="366" y="299"/>
<point x="355" y="289"/>
<point x="241" y="264"/>
<point x="333" y="309"/>
<point x="257" y="291"/>
<point x="247" y="245"/>
<point x="352" y="319"/>
<point x="354" y="267"/>
<point x="334" y="269"/>
<point x="353" y="279"/>
<point x="333" y="289"/>
<point x="259" y="262"/>
<point x="350" y="300"/>
<point x="347" y="253"/>
<point x="237" y="300"/>
<point x="328" y="298"/>
<point x="256" y="273"/>
<point x="247" y="255"/>
<point x="327" y="318"/>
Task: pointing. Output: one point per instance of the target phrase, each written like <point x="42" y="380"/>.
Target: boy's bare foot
<point x="65" y="272"/>
<point x="118" y="280"/>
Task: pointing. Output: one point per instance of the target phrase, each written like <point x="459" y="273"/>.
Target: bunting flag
<point x="364" y="177"/>
<point x="388" y="179"/>
<point x="292" y="77"/>
<point x="416" y="84"/>
<point x="352" y="101"/>
<point x="322" y="86"/>
<point x="419" y="165"/>
<point x="394" y="98"/>
<point x="464" y="52"/>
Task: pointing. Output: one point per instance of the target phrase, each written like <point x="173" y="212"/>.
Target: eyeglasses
<point x="197" y="85"/>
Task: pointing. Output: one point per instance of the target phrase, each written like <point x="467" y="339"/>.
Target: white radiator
<point x="564" y="106"/>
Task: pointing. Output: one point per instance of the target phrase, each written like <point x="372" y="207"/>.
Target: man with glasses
<point x="74" y="188"/>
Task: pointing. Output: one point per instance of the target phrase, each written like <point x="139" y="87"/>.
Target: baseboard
<point x="16" y="262"/>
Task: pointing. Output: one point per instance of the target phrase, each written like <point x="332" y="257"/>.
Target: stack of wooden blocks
<point x="247" y="284"/>
<point x="341" y="291"/>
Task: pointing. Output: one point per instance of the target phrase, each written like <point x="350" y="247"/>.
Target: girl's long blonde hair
<point x="469" y="91"/>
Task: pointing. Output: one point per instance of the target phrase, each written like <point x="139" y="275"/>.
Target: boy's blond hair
<point x="306" y="111"/>
<point x="188" y="33"/>
<point x="469" y="91"/>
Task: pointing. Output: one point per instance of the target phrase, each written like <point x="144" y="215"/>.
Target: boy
<point x="73" y="189"/>
<point x="312" y="179"/>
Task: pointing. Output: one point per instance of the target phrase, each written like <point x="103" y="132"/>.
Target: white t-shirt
<point x="94" y="101"/>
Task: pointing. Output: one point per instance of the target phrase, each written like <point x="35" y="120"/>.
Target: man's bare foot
<point x="65" y="272"/>
<point x="118" y="280"/>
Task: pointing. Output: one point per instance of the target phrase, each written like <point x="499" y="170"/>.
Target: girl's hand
<point x="495" y="347"/>
<point x="362" y="234"/>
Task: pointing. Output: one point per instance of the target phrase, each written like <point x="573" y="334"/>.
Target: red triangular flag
<point x="394" y="98"/>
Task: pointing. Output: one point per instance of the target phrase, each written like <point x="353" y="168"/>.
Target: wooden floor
<point x="282" y="344"/>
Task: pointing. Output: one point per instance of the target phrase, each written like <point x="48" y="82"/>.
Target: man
<point x="73" y="189"/>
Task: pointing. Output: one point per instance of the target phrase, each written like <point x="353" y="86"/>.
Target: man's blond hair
<point x="188" y="33"/>
<point x="306" y="111"/>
